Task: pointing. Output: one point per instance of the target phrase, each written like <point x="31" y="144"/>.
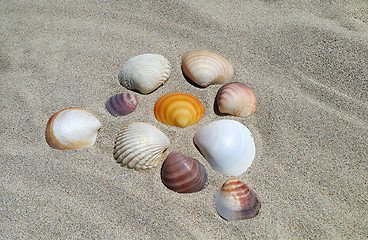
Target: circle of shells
<point x="227" y="145"/>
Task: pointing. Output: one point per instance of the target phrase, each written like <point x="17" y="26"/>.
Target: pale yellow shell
<point x="140" y="146"/>
<point x="206" y="68"/>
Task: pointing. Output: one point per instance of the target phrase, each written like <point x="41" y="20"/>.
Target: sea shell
<point x="145" y="72"/>
<point x="236" y="201"/>
<point x="206" y="68"/>
<point x="183" y="174"/>
<point x="236" y="99"/>
<point x="72" y="128"/>
<point x="122" y="104"/>
<point x="227" y="145"/>
<point x="178" y="109"/>
<point x="140" y="146"/>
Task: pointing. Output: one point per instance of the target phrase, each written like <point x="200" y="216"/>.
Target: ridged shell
<point x="183" y="174"/>
<point x="206" y="68"/>
<point x="236" y="99"/>
<point x="72" y="128"/>
<point x="227" y="145"/>
<point x="236" y="201"/>
<point x="178" y="109"/>
<point x="145" y="72"/>
<point x="140" y="146"/>
<point x="122" y="104"/>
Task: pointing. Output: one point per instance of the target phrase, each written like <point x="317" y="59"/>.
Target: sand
<point x="306" y="62"/>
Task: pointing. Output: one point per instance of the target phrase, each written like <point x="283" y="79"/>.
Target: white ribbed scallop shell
<point x="140" y="146"/>
<point x="206" y="68"/>
<point x="227" y="145"/>
<point x="145" y="72"/>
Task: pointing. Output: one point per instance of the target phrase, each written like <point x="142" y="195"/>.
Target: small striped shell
<point x="122" y="104"/>
<point x="236" y="201"/>
<point x="206" y="68"/>
<point x="183" y="174"/>
<point x="145" y="72"/>
<point x="72" y="128"/>
<point x="236" y="99"/>
<point x="178" y="109"/>
<point x="140" y="146"/>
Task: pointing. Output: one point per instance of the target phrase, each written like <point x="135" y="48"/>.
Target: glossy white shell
<point x="140" y="146"/>
<point x="227" y="145"/>
<point x="145" y="72"/>
<point x="72" y="128"/>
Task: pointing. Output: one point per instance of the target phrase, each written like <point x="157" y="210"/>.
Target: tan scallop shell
<point x="206" y="68"/>
<point x="145" y="72"/>
<point x="72" y="128"/>
<point x="140" y="146"/>
<point x="236" y="99"/>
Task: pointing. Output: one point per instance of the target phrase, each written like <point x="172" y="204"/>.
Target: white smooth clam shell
<point x="140" y="146"/>
<point x="227" y="145"/>
<point x="145" y="72"/>
<point x="72" y="128"/>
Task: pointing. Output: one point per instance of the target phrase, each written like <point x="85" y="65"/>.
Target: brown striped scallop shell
<point x="183" y="174"/>
<point x="122" y="104"/>
<point x="236" y="99"/>
<point x="236" y="201"/>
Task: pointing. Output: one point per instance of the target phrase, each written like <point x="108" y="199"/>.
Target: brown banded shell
<point x="236" y="201"/>
<point x="206" y="68"/>
<point x="122" y="104"/>
<point x="236" y="99"/>
<point x="183" y="174"/>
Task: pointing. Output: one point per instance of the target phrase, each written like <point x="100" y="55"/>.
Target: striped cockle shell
<point x="140" y="146"/>
<point x="122" y="104"/>
<point x="72" y="128"/>
<point x="236" y="99"/>
<point x="145" y="72"/>
<point x="206" y="68"/>
<point x="227" y="145"/>
<point x="236" y="201"/>
<point x="178" y="109"/>
<point x="183" y="174"/>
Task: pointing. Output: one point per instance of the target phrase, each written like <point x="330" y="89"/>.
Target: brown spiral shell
<point x="183" y="174"/>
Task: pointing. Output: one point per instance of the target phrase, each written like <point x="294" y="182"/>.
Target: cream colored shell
<point x="145" y="72"/>
<point x="140" y="146"/>
<point x="206" y="68"/>
<point x="72" y="128"/>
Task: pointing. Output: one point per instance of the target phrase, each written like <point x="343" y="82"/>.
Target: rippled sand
<point x="307" y="64"/>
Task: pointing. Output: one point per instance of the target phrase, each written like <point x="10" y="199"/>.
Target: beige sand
<point x="307" y="64"/>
